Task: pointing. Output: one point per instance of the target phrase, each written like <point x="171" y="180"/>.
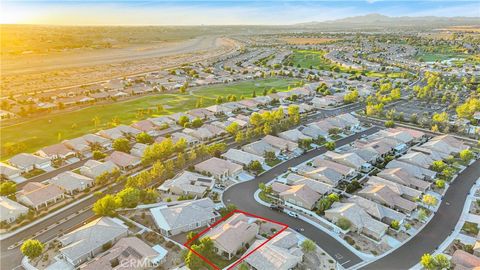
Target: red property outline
<point x="186" y="244"/>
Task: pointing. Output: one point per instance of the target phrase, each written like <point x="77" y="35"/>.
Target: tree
<point x="240" y="137"/>
<point x="182" y="120"/>
<point x="466" y="155"/>
<point x="441" y="261"/>
<point x="422" y="214"/>
<point x="395" y="224"/>
<point x="149" y="196"/>
<point x="121" y="144"/>
<point x="427" y="261"/>
<point x="197" y="122"/>
<point x="429" y="200"/>
<point x="144" y="138"/>
<point x="233" y="128"/>
<point x="97" y="155"/>
<point x="294" y="114"/>
<point x="226" y="210"/>
<point x="440" y="183"/>
<point x="255" y="166"/>
<point x="180" y="160"/>
<point x="8" y="188"/>
<point x="438" y="165"/>
<point x="193" y="261"/>
<point x="344" y="223"/>
<point x="330" y="146"/>
<point x="351" y="97"/>
<point x="106" y="206"/>
<point x="32" y="248"/>
<point x="243" y="266"/>
<point x="308" y="246"/>
<point x="389" y="124"/>
<point x="267" y="129"/>
<point x="128" y="197"/>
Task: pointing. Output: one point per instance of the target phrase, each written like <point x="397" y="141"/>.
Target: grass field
<point x="307" y="58"/>
<point x="35" y="134"/>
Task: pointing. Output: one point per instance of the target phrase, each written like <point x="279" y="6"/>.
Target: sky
<point x="128" y="12"/>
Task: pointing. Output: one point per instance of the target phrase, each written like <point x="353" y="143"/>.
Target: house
<point x="351" y="160"/>
<point x="294" y="135"/>
<point x="400" y="189"/>
<point x="87" y="241"/>
<point x="259" y="148"/>
<point x="324" y="174"/>
<point x="241" y="157"/>
<point x="235" y="233"/>
<point x="56" y="151"/>
<point x="317" y="186"/>
<point x="300" y="195"/>
<point x="282" y="144"/>
<point x="138" y="149"/>
<point x="10" y="210"/>
<point x="184" y="217"/>
<point x="417" y="159"/>
<point x="9" y="172"/>
<point x="38" y="195"/>
<point x="348" y="120"/>
<point x="93" y="140"/>
<point x="79" y="145"/>
<point x="121" y="131"/>
<point x="413" y="170"/>
<point x="71" y="182"/>
<point x="123" y="160"/>
<point x="146" y="126"/>
<point x="462" y="260"/>
<point x="191" y="141"/>
<point x="94" y="168"/>
<point x="361" y="221"/>
<point x="188" y="183"/>
<point x="345" y="171"/>
<point x="280" y="253"/>
<point x="220" y="169"/>
<point x="383" y="194"/>
<point x="28" y="162"/>
<point x="401" y="176"/>
<point x="376" y="210"/>
<point x="446" y="144"/>
<point x="313" y="131"/>
<point x="127" y="251"/>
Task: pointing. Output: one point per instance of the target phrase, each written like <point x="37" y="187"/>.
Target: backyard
<point x="34" y="134"/>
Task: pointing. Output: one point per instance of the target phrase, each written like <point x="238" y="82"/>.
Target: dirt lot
<point x="75" y="69"/>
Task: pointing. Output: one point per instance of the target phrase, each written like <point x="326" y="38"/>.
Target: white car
<point x="292" y="214"/>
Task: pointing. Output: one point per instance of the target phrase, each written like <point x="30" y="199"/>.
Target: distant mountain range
<point x="378" y="21"/>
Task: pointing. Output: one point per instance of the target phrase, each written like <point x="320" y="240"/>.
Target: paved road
<point x="437" y="230"/>
<point x="242" y="196"/>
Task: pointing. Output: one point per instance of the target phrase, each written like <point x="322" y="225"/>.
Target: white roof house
<point x="293" y="135"/>
<point x="383" y="194"/>
<point x="56" y="151"/>
<point x="313" y="131"/>
<point x="417" y="159"/>
<point x="324" y="174"/>
<point x="87" y="241"/>
<point x="351" y="160"/>
<point x="319" y="187"/>
<point x="79" y="145"/>
<point x="219" y="168"/>
<point x="259" y="148"/>
<point x="413" y="170"/>
<point x="282" y="144"/>
<point x="184" y="217"/>
<point x="281" y="253"/>
<point x="301" y="194"/>
<point x="71" y="182"/>
<point x="401" y="176"/>
<point x="123" y="160"/>
<point x="376" y="210"/>
<point x="28" y="162"/>
<point x="93" y="168"/>
<point x="360" y="219"/>
<point x="241" y="157"/>
<point x="395" y="187"/>
<point x="235" y="233"/>
<point x="9" y="172"/>
<point x="446" y="144"/>
<point x="188" y="183"/>
<point x="10" y="210"/>
<point x="37" y="195"/>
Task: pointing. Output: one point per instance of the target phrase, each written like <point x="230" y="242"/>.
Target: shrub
<point x="344" y="223"/>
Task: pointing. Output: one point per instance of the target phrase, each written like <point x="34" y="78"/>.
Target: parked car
<point x="292" y="214"/>
<point x="276" y="207"/>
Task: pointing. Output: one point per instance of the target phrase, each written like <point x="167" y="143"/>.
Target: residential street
<point x="242" y="196"/>
<point x="439" y="228"/>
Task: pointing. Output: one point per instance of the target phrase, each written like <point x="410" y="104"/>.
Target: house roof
<point x="319" y="187"/>
<point x="375" y="209"/>
<point x="357" y="216"/>
<point x="233" y="232"/>
<point x="27" y="160"/>
<point x="259" y="148"/>
<point x="401" y="176"/>
<point x="10" y="209"/>
<point x="339" y="168"/>
<point x="37" y="193"/>
<point x="280" y="143"/>
<point x="413" y="170"/>
<point x="122" y="159"/>
<point x="351" y="160"/>
<point x="93" y="168"/>
<point x="324" y="174"/>
<point x="184" y="214"/>
<point x="293" y="135"/>
<point x="91" y="236"/>
<point x="395" y="187"/>
<point x="71" y="181"/>
<point x="189" y="182"/>
<point x="417" y="158"/>
<point x="56" y="149"/>
<point x="465" y="259"/>
<point x="242" y="157"/>
<point x="302" y="192"/>
<point x="384" y="194"/>
<point x="280" y="253"/>
<point x="8" y="170"/>
<point x="217" y="166"/>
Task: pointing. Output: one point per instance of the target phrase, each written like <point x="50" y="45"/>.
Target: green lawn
<point x="307" y="58"/>
<point x="37" y="133"/>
